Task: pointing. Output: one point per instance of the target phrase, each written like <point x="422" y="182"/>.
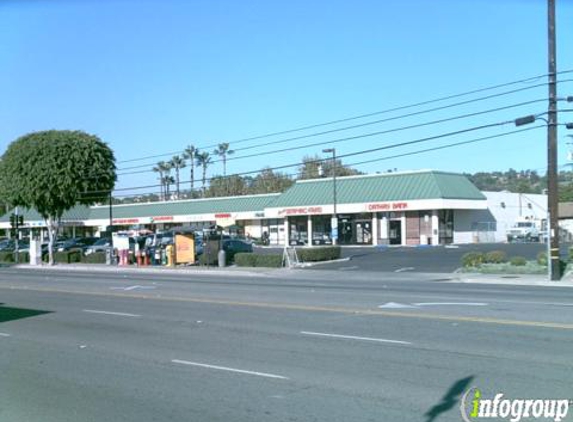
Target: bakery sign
<point x="387" y="206"/>
<point x="300" y="211"/>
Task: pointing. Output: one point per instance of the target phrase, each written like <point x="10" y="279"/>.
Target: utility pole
<point x="552" y="194"/>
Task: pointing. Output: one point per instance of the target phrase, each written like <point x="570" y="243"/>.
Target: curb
<point x="265" y="272"/>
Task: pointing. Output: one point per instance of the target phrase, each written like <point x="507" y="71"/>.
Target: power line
<point x="389" y="110"/>
<point x="359" y="163"/>
<point x="401" y="144"/>
<point x="370" y="134"/>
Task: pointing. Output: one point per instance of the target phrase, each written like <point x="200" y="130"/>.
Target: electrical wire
<point x="370" y="134"/>
<point x="361" y="152"/>
<point x="389" y="110"/>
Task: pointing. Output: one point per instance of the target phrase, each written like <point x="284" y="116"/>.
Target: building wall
<point x="491" y="225"/>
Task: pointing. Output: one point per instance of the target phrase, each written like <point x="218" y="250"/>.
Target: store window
<point x="446" y="227"/>
<point x="298" y="230"/>
<point x="321" y="230"/>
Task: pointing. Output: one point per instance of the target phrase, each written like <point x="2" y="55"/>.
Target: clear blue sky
<point x="150" y="77"/>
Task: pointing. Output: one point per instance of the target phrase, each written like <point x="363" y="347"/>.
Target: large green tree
<point x="52" y="171"/>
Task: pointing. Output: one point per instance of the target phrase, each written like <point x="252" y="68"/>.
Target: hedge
<point x="270" y="260"/>
<point x="67" y="257"/>
<point x="246" y="259"/>
<point x="314" y="254"/>
<point x="249" y="259"/>
<point x="8" y="257"/>
<point x="94" y="258"/>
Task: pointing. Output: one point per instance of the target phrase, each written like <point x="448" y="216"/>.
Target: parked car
<point x="234" y="246"/>
<point x="76" y="243"/>
<point x="101" y="245"/>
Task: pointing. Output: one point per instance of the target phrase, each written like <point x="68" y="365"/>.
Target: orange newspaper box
<point x="184" y="248"/>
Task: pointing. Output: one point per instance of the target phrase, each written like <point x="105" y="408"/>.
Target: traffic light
<point x="16" y="221"/>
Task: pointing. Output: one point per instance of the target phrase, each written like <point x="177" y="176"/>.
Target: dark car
<point x="76" y="243"/>
<point x="101" y="245"/>
<point x="234" y="246"/>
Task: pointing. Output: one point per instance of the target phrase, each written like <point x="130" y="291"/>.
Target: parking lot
<point x="439" y="259"/>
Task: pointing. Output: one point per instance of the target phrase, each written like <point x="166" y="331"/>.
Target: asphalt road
<point x="293" y="346"/>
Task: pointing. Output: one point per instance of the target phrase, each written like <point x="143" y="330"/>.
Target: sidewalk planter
<point x="315" y="254"/>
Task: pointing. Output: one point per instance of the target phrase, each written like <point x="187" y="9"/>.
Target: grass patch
<point x="530" y="267"/>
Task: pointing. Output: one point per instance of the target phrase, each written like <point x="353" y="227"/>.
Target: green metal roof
<point x="380" y="188"/>
<point x="78" y="213"/>
<point x="188" y="207"/>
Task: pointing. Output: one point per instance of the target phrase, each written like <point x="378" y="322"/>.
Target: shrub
<point x="94" y="258"/>
<point x="472" y="259"/>
<point x="256" y="260"/>
<point x="67" y="257"/>
<point x="518" y="261"/>
<point x="542" y="258"/>
<point x="269" y="260"/>
<point x="495" y="257"/>
<point x="314" y="254"/>
<point x="246" y="259"/>
<point x="7" y="256"/>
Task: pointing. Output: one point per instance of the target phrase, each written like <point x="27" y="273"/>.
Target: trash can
<point x="222" y="258"/>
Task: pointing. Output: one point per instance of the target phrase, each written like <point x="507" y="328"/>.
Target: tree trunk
<point x="52" y="225"/>
<point x="177" y="175"/>
<point x="192" y="176"/>
<point x="204" y="178"/>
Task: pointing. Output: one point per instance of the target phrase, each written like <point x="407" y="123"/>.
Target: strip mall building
<point x="409" y="208"/>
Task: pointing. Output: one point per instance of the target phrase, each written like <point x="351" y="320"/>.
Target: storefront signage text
<point x="301" y="211"/>
<point x="162" y="218"/>
<point x="126" y="221"/>
<point x="223" y="215"/>
<point x="389" y="206"/>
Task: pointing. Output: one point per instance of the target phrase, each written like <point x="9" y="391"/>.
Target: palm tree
<point x="161" y="168"/>
<point x="223" y="151"/>
<point x="190" y="154"/>
<point x="166" y="166"/>
<point x="168" y="180"/>
<point x="177" y="162"/>
<point x="204" y="160"/>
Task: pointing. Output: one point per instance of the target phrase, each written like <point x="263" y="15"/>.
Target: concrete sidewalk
<point x="261" y="272"/>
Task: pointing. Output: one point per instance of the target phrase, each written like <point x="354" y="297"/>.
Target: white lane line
<point x="401" y="270"/>
<point x="450" y="304"/>
<point x="4" y="335"/>
<point x="224" y="368"/>
<point x="379" y="340"/>
<point x="91" y="311"/>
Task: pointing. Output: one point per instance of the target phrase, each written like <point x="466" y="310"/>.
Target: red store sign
<point x="388" y="206"/>
<point x="162" y="218"/>
<point x="301" y="211"/>
<point x="126" y="221"/>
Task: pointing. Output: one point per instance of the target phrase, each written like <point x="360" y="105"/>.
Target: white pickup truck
<point x="525" y="229"/>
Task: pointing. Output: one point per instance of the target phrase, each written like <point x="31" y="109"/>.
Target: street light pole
<point x="334" y="220"/>
<point x="552" y="188"/>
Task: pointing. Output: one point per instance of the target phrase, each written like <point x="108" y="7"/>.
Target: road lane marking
<point x="395" y="305"/>
<point x="130" y="288"/>
<point x="401" y="270"/>
<point x="92" y="311"/>
<point x="224" y="368"/>
<point x="311" y="308"/>
<point x="379" y="340"/>
<point x="354" y="267"/>
<point x="450" y="304"/>
<point x="4" y="335"/>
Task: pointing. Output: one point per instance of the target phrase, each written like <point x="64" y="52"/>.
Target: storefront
<point x="410" y="208"/>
